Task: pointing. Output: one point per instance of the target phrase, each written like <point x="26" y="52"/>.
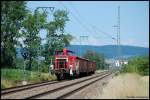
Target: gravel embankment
<point x="91" y="91"/>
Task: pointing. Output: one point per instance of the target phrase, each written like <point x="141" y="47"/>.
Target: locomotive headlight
<point x="66" y="59"/>
<point x="71" y="72"/>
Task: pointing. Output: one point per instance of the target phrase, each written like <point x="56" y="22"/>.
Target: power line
<point x="76" y="18"/>
<point x="84" y="26"/>
<point x="91" y="24"/>
<point x="104" y="33"/>
<point x="81" y="24"/>
<point x="98" y="38"/>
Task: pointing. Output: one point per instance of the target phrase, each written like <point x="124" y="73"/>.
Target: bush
<point x="44" y="67"/>
<point x="138" y="65"/>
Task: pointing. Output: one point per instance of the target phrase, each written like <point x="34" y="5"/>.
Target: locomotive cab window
<point x="61" y="63"/>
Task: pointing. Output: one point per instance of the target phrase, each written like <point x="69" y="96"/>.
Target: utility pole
<point x="25" y="55"/>
<point x="118" y="39"/>
<point x="24" y="73"/>
<point x="36" y="16"/>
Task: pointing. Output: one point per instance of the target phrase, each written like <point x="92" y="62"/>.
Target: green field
<point x="14" y="77"/>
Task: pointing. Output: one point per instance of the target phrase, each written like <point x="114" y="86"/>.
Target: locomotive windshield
<point x="61" y="63"/>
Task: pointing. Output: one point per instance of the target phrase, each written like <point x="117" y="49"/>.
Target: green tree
<point x="12" y="15"/>
<point x="138" y="65"/>
<point x="98" y="58"/>
<point x="56" y="37"/>
<point x="32" y="24"/>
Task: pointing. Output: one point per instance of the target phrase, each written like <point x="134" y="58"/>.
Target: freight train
<point x="68" y="65"/>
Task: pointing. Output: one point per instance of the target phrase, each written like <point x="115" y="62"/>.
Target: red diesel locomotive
<point x="66" y="65"/>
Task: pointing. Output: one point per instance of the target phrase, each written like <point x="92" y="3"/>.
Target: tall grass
<point x="126" y="86"/>
<point x="14" y="77"/>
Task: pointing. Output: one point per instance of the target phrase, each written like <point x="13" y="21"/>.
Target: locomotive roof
<point x="62" y="51"/>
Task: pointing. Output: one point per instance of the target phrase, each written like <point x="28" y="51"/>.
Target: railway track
<point x="24" y="87"/>
<point x="67" y="90"/>
<point x="52" y="89"/>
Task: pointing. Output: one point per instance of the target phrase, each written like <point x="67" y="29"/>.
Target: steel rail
<point x="63" y="87"/>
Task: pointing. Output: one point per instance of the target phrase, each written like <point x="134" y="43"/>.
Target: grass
<point x="6" y="83"/>
<point x="126" y="86"/>
<point x="14" y="77"/>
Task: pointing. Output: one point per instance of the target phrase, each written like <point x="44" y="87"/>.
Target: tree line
<point x="20" y="29"/>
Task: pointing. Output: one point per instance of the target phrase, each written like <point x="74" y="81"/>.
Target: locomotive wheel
<point x="58" y="77"/>
<point x="61" y="75"/>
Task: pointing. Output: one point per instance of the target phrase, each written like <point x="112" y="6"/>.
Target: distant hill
<point x="110" y="51"/>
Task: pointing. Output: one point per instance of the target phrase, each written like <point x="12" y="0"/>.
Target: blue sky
<point x="87" y="17"/>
